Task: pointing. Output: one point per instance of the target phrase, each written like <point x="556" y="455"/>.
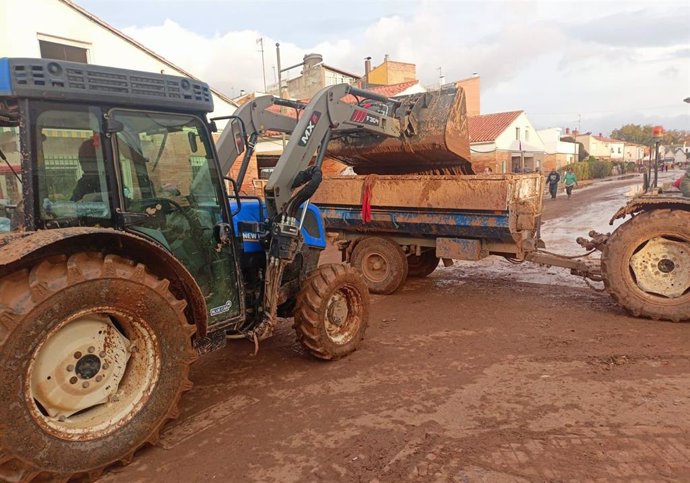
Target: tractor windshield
<point x="170" y="191"/>
<point x="10" y="179"/>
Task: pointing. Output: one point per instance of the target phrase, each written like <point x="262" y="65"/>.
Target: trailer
<point x="390" y="227"/>
<point x="399" y="226"/>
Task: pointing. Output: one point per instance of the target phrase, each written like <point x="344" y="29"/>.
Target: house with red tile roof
<point x="505" y="142"/>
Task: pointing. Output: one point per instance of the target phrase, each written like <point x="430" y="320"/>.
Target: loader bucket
<point x="435" y="138"/>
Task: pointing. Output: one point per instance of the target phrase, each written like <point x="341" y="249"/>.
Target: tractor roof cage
<point x="72" y="81"/>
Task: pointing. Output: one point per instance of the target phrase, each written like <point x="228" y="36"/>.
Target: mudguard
<point x="651" y="202"/>
<point x="21" y="249"/>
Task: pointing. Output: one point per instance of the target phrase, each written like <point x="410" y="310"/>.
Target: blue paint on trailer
<point x="420" y="223"/>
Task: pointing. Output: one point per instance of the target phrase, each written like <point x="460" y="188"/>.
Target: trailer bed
<point x="497" y="209"/>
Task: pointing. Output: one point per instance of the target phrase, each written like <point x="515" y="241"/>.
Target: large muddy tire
<point x="382" y="263"/>
<point x="332" y="311"/>
<point x="646" y="265"/>
<point x="95" y="354"/>
<point x="422" y="265"/>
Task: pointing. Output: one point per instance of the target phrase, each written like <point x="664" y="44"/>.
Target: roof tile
<point x="488" y="127"/>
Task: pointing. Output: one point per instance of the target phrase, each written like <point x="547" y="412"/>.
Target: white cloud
<point x="557" y="60"/>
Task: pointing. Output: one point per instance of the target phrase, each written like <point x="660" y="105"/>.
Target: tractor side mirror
<point x="237" y="132"/>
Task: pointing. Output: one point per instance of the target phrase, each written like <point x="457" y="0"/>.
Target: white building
<point x="505" y="142"/>
<point x="60" y="29"/>
<point x="559" y="153"/>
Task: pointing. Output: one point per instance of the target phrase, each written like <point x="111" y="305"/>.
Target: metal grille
<point x="64" y="80"/>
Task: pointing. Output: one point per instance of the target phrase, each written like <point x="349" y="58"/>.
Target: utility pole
<point x="280" y="82"/>
<point x="260" y="42"/>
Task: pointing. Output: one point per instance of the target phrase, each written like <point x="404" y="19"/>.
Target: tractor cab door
<point x="171" y="192"/>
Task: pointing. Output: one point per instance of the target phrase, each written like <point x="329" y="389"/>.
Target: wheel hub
<point x="341" y="322"/>
<point x="337" y="310"/>
<point x="79" y="366"/>
<point x="662" y="267"/>
<point x="375" y="267"/>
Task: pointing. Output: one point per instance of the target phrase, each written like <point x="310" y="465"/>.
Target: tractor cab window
<point x="170" y="192"/>
<point x="71" y="177"/>
<point x="10" y="180"/>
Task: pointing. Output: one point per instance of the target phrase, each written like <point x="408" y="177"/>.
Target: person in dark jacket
<point x="553" y="178"/>
<point x="89" y="181"/>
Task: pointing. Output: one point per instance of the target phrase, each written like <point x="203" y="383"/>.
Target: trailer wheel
<point x="95" y="354"/>
<point x="422" y="265"/>
<point x="382" y="264"/>
<point x="332" y="311"/>
<point x="646" y="265"/>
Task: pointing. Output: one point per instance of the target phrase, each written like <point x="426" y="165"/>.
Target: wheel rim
<point x="343" y="315"/>
<point x="92" y="374"/>
<point x="375" y="267"/>
<point x="662" y="267"/>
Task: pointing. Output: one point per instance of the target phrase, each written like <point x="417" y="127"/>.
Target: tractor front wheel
<point x="332" y="311"/>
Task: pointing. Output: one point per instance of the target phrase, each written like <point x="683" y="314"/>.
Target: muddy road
<point x="468" y="375"/>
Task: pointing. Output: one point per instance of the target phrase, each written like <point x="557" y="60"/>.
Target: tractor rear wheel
<point x="332" y="311"/>
<point x="422" y="265"/>
<point x="646" y="265"/>
<point x="382" y="263"/>
<point x="95" y="353"/>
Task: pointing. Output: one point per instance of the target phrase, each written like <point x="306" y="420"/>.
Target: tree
<point x="634" y="133"/>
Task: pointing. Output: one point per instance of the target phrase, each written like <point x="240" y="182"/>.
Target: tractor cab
<point x="143" y="163"/>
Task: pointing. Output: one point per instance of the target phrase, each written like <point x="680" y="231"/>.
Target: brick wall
<point x="497" y="161"/>
<point x="472" y="95"/>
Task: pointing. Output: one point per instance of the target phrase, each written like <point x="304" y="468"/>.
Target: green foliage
<point x="593" y="168"/>
<point x="600" y="169"/>
<point x="581" y="169"/>
<point x="636" y="133"/>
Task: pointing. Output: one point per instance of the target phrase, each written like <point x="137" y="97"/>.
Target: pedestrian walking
<point x="684" y="184"/>
<point x="570" y="181"/>
<point x="553" y="178"/>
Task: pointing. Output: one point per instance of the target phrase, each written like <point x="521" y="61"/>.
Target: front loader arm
<point x="256" y="119"/>
<point x="325" y="113"/>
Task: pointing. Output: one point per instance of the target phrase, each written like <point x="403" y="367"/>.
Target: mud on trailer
<point x="410" y="222"/>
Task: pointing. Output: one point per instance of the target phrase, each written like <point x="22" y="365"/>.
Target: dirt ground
<point x="468" y="375"/>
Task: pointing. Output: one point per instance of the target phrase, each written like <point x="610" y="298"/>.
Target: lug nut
<point x="92" y="349"/>
<point x="84" y="384"/>
<point x="105" y="366"/>
<point x="73" y="380"/>
<point x="77" y="355"/>
<point x="62" y="418"/>
<point x="101" y="354"/>
<point x="70" y="368"/>
<point x="99" y="378"/>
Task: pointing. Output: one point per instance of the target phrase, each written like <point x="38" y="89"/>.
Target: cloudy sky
<point x="592" y="64"/>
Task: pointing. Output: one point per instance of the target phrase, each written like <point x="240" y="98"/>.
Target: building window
<point x="517" y="133"/>
<point x="526" y="134"/>
<point x="54" y="50"/>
